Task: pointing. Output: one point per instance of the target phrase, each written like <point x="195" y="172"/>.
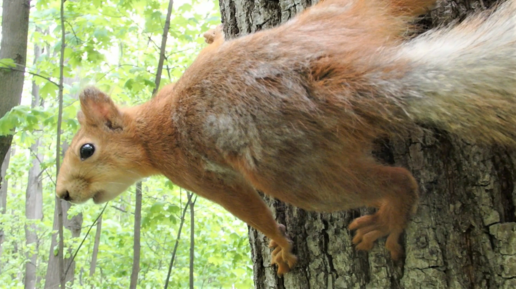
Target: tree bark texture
<point x="15" y="28"/>
<point x="464" y="233"/>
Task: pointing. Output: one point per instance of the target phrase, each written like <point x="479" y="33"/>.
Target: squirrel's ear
<point x="99" y="110"/>
<point x="81" y="118"/>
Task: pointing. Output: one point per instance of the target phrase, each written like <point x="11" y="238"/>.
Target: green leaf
<point x="169" y="184"/>
<point x="173" y="209"/>
<point x="129" y="84"/>
<point x="157" y="208"/>
<point x="48" y="89"/>
<point x="7" y="123"/>
<point x="101" y="33"/>
<point x="7" y="63"/>
<point x="149" y="83"/>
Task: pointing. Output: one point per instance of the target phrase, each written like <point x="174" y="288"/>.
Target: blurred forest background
<point x="114" y="45"/>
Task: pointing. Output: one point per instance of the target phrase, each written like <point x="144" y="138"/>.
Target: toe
<point x="362" y="222"/>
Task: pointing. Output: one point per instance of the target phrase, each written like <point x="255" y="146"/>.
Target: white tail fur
<point x="463" y="78"/>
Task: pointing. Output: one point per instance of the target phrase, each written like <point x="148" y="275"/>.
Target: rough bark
<point x="33" y="199"/>
<point x="463" y="233"/>
<point x="15" y="28"/>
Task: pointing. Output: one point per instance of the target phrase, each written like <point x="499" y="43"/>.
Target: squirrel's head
<point x="105" y="156"/>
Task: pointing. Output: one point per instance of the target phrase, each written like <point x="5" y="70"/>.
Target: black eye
<point x="87" y="150"/>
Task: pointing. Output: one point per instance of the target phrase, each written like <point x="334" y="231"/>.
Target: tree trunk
<point x="137" y="229"/>
<point x="52" y="279"/>
<point x="192" y="242"/>
<point x="33" y="211"/>
<point x="3" y="196"/>
<point x="33" y="197"/>
<point x="463" y="233"/>
<point x="95" y="253"/>
<point x="15" y="28"/>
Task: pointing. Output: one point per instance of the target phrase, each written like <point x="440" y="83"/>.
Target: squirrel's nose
<point x="65" y="195"/>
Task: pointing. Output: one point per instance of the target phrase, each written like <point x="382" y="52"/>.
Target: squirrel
<point x="293" y="111"/>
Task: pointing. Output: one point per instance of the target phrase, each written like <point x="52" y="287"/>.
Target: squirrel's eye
<point x="87" y="150"/>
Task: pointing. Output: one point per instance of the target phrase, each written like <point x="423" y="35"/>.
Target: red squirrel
<point x="293" y="111"/>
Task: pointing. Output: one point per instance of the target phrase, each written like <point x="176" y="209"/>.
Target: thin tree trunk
<point x="15" y="29"/>
<point x="3" y="197"/>
<point x="58" y="259"/>
<point x="137" y="227"/>
<point x="52" y="279"/>
<point x="95" y="253"/>
<point x="163" y="47"/>
<point x="463" y="233"/>
<point x="74" y="225"/>
<point x="192" y="242"/>
<point x="33" y="197"/>
<point x="53" y="276"/>
<point x="173" y="258"/>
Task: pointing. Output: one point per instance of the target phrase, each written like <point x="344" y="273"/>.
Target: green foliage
<point x="114" y="45"/>
<point x="7" y="63"/>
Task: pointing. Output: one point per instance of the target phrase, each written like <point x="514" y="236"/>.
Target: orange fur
<point x="289" y="111"/>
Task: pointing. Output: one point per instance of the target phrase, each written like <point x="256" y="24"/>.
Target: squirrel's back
<point x="363" y="79"/>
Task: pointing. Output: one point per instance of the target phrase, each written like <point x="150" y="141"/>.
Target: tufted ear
<point x="99" y="110"/>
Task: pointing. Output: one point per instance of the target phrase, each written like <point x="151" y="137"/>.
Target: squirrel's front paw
<point x="281" y="256"/>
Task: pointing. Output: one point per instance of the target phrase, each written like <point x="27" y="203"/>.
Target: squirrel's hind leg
<point x="343" y="184"/>
<point x="396" y="201"/>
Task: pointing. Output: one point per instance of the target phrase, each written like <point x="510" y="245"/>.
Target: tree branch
<point x="192" y="241"/>
<point x="121" y="210"/>
<point x="83" y="239"/>
<point x="177" y="239"/>
<point x="31" y="73"/>
<point x="163" y="46"/>
<point x="58" y="151"/>
<point x="137" y="230"/>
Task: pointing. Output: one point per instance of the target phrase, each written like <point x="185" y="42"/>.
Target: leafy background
<point x="114" y="45"/>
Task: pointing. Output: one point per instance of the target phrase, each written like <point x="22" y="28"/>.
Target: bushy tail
<point x="463" y="78"/>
